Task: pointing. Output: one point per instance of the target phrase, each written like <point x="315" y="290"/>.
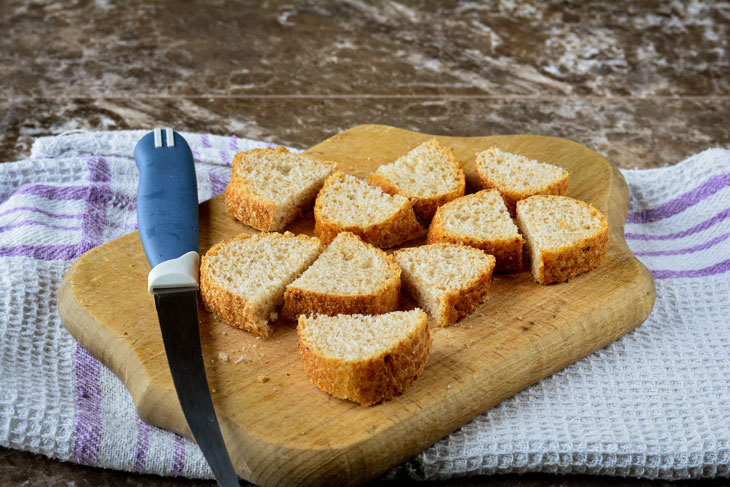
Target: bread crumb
<point x="223" y="356"/>
<point x="519" y="317"/>
<point x="238" y="360"/>
<point x="263" y="378"/>
<point x="448" y="386"/>
<point x="213" y="390"/>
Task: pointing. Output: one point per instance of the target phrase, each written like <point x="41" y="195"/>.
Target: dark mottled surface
<point x="643" y="83"/>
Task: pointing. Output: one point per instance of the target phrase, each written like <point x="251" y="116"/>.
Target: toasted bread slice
<point x="447" y="280"/>
<point x="270" y="187"/>
<point x="518" y="177"/>
<point x="428" y="175"/>
<point x="350" y="276"/>
<point x="564" y="237"/>
<point x="366" y="359"/>
<point x="349" y="204"/>
<point x="242" y="279"/>
<point x="480" y="220"/>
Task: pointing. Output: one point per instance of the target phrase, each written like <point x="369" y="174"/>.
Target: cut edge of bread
<point x="507" y="251"/>
<point x="373" y="379"/>
<point x="248" y="206"/>
<point x="570" y="260"/>
<point x="382" y="299"/>
<point x="559" y="186"/>
<point x="399" y="228"/>
<point x="455" y="304"/>
<point x="234" y="308"/>
<point x="424" y="207"/>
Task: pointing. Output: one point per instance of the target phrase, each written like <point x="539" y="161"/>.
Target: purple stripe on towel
<point x="28" y="223"/>
<point x="723" y="215"/>
<point x="44" y="252"/>
<point x="178" y="456"/>
<point x="719" y="268"/>
<point x="233" y="143"/>
<point x="217" y="183"/>
<point x="225" y="158"/>
<point x="87" y="429"/>
<point x="688" y="250"/>
<point x="143" y="444"/>
<point x="205" y="140"/>
<point x="682" y="202"/>
<point x="42" y="212"/>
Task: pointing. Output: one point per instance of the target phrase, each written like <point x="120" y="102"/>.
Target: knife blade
<point x="167" y="215"/>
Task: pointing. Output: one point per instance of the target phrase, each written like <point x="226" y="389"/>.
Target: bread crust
<point x="507" y="251"/>
<point x="399" y="228"/>
<point x="248" y="207"/>
<point x="232" y="308"/>
<point x="511" y="197"/>
<point x="385" y="299"/>
<point x="254" y="209"/>
<point x="461" y="302"/>
<point x="571" y="260"/>
<point x="424" y="208"/>
<point x="373" y="380"/>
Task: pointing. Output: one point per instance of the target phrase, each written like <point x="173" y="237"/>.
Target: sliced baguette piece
<point x="480" y="220"/>
<point x="242" y="279"/>
<point x="350" y="276"/>
<point x="428" y="175"/>
<point x="349" y="204"/>
<point x="517" y="177"/>
<point x="366" y="359"/>
<point x="270" y="187"/>
<point x="564" y="237"/>
<point x="447" y="280"/>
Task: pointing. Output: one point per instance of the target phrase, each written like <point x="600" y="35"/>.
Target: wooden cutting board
<point x="279" y="428"/>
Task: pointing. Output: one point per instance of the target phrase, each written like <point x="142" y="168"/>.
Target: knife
<point x="167" y="215"/>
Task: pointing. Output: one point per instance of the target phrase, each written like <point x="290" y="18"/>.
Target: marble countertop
<point x="644" y="84"/>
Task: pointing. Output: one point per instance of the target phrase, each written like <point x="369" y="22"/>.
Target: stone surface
<point x="644" y="84"/>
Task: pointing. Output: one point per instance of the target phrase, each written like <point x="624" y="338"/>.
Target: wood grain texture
<point x="286" y="431"/>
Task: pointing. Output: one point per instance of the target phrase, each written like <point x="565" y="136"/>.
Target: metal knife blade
<point x="177" y="310"/>
<point x="167" y="214"/>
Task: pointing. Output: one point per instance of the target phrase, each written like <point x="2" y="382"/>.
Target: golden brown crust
<point x="399" y="228"/>
<point x="460" y="302"/>
<point x="370" y="381"/>
<point x="423" y="207"/>
<point x="507" y="251"/>
<point x="230" y="307"/>
<point x="511" y="197"/>
<point x="233" y="308"/>
<point x="464" y="302"/>
<point x="248" y="207"/>
<point x="571" y="260"/>
<point x="383" y="300"/>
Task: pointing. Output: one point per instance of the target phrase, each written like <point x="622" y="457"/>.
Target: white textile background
<point x="654" y="404"/>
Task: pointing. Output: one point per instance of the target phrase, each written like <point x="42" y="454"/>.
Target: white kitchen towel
<point x="654" y="404"/>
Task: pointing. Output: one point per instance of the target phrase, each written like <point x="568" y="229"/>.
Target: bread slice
<point x="350" y="276"/>
<point x="518" y="177"/>
<point x="349" y="204"/>
<point x="366" y="359"/>
<point x="428" y="175"/>
<point x="242" y="279"/>
<point x="271" y="187"/>
<point x="480" y="220"/>
<point x="447" y="280"/>
<point x="565" y="237"/>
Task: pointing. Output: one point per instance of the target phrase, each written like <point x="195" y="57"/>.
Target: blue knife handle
<point x="167" y="198"/>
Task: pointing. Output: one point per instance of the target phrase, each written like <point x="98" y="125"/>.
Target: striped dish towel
<point x="654" y="404"/>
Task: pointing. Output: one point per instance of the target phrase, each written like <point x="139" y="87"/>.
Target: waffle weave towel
<point x="654" y="404"/>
